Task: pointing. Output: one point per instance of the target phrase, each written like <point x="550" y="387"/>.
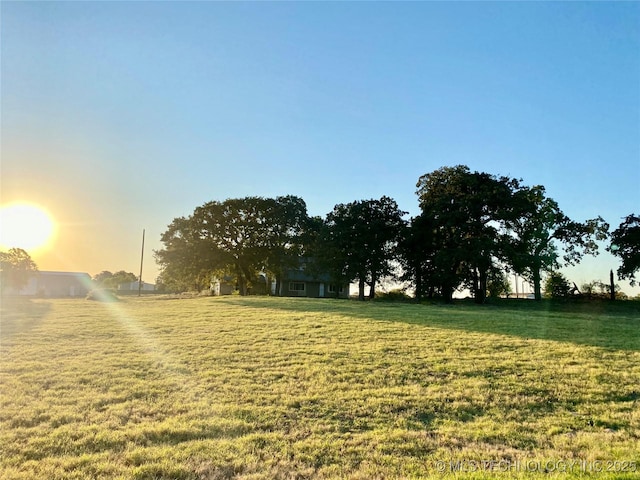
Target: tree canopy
<point x="239" y="237"/>
<point x="16" y="267"/>
<point x="360" y="241"/>
<point x="473" y="228"/>
<point x="536" y="227"/>
<point x="625" y="244"/>
<point x="106" y="279"/>
<point x="464" y="211"/>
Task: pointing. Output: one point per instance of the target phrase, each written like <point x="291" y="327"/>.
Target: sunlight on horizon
<point x="26" y="226"/>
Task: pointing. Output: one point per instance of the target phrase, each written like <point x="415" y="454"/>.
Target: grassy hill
<point x="263" y="388"/>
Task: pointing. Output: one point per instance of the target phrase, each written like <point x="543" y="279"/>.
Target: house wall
<point x="134" y="286"/>
<point x="62" y="287"/>
<point x="221" y="288"/>
<point x="312" y="290"/>
<point x="60" y="284"/>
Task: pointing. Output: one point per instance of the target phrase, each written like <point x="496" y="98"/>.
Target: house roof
<point x="63" y="274"/>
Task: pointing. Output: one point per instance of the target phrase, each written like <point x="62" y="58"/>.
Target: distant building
<point x="222" y="286"/>
<point x="57" y="284"/>
<point x="133" y="287"/>
<point x="300" y="283"/>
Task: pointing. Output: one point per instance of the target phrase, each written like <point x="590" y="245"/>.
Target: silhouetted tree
<point x="16" y="267"/>
<point x="361" y="239"/>
<point x="106" y="279"/>
<point x="187" y="260"/>
<point x="625" y="244"/>
<point x="417" y="251"/>
<point x="240" y="236"/>
<point x="536" y="226"/>
<point x="465" y="211"/>
<point x="287" y="228"/>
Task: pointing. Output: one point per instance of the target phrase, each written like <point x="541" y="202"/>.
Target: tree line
<point x="472" y="228"/>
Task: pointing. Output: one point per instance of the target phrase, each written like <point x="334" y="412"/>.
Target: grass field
<point x="270" y="388"/>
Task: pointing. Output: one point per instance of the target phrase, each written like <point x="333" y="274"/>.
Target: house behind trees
<point x="299" y="283"/>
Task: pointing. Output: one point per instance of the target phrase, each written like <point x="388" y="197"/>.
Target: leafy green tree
<point x="416" y="252"/>
<point x="99" y="278"/>
<point x="556" y="285"/>
<point x="433" y="270"/>
<point x="288" y="232"/>
<point x="187" y="261"/>
<point x="16" y="267"/>
<point x="535" y="227"/>
<point x="600" y="290"/>
<point x="324" y="253"/>
<point x="119" y="278"/>
<point x="242" y="236"/>
<point x="361" y="239"/>
<point x="106" y="279"/>
<point x="498" y="283"/>
<point x="625" y="244"/>
<point x="466" y="210"/>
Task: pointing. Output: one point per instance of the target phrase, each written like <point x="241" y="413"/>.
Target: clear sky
<point x="119" y="116"/>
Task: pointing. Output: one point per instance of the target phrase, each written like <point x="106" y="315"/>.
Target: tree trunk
<point x="361" y="284"/>
<point x="243" y="285"/>
<point x="418" y="293"/>
<point x="537" y="280"/>
<point x="447" y="293"/>
<point x="372" y="287"/>
<point x="481" y="291"/>
<point x="242" y="280"/>
<point x="278" y="287"/>
<point x="612" y="286"/>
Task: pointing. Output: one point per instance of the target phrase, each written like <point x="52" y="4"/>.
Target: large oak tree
<point x="238" y="237"/>
<point x="542" y="238"/>
<point x="360" y="241"/>
<point x="464" y="211"/>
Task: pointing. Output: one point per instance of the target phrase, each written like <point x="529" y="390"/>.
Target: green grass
<point x="263" y="388"/>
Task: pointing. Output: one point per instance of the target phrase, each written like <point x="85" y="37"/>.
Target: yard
<point x="268" y="388"/>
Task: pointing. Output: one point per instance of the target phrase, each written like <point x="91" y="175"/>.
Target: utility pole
<point x="141" y="260"/>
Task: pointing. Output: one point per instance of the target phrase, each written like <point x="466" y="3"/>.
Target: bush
<point x="498" y="284"/>
<point x="396" y="295"/>
<point x="102" y="295"/>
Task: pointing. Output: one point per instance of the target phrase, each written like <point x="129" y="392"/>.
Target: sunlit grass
<point x="264" y="388"/>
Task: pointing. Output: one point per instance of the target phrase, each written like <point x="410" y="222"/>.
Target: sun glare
<point x="26" y="226"/>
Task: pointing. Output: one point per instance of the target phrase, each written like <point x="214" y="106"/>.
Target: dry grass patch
<point x="261" y="388"/>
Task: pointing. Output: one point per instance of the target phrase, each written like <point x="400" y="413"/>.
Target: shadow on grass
<point x="20" y="315"/>
<point x="597" y="323"/>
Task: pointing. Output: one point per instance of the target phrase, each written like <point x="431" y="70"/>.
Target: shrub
<point x="102" y="295"/>
<point x="395" y="295"/>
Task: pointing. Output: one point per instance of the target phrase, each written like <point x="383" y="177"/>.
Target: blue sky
<point x="119" y="116"/>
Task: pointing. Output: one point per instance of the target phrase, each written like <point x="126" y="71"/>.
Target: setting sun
<point x="26" y="226"/>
